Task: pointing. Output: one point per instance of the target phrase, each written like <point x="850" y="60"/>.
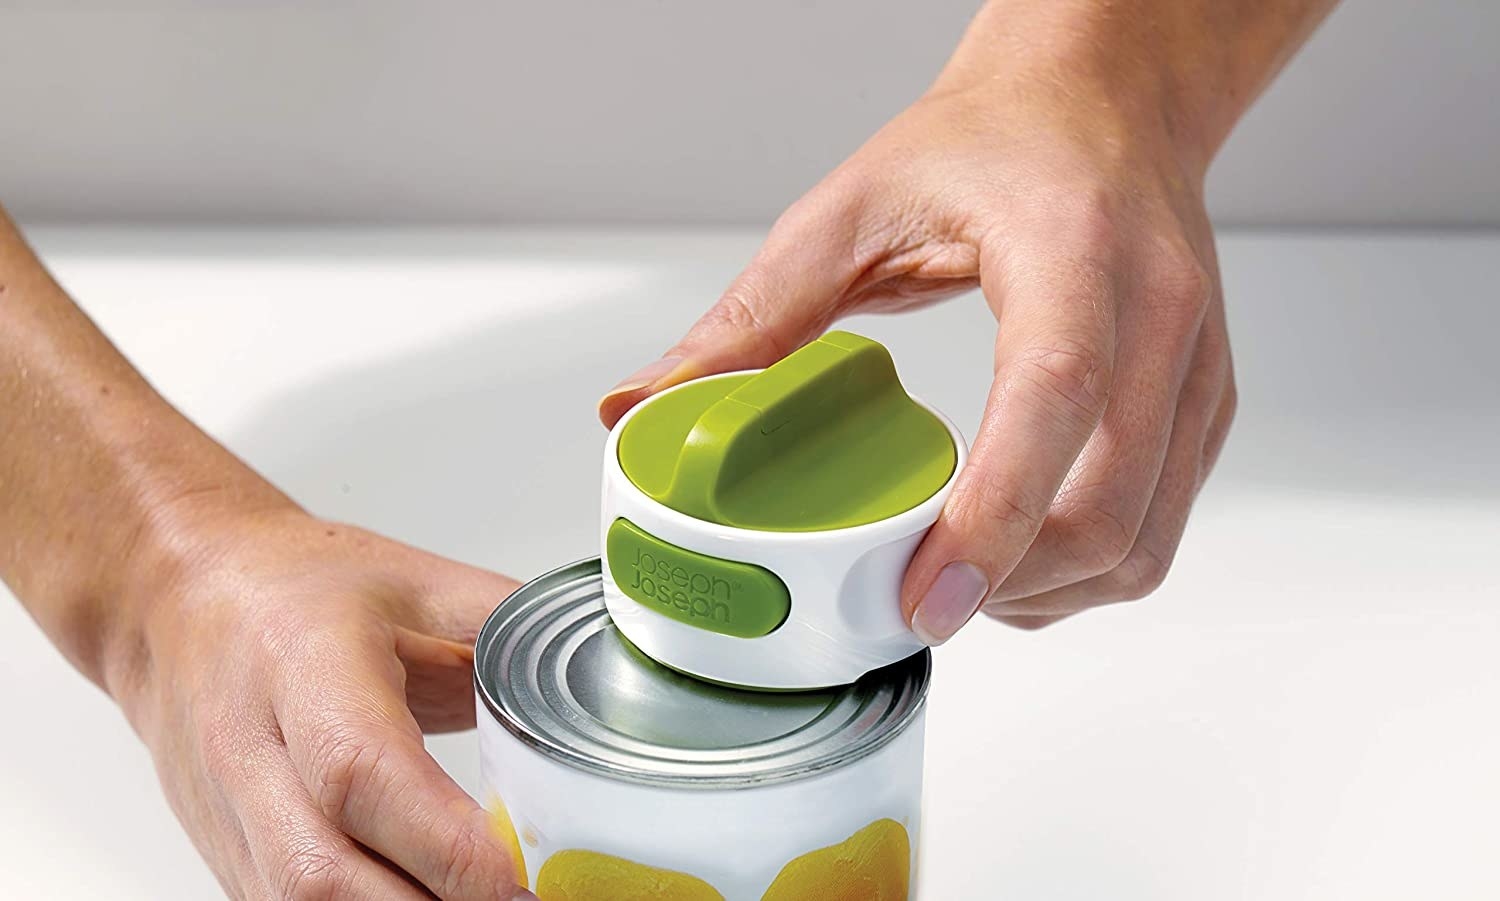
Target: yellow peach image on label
<point x="500" y="822"/>
<point x="591" y="876"/>
<point x="873" y="864"/>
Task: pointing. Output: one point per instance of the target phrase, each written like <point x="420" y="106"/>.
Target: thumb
<point x="787" y="296"/>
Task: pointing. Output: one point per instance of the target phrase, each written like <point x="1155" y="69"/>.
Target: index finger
<point x="786" y="297"/>
<point x="1053" y="359"/>
<point x="360" y="752"/>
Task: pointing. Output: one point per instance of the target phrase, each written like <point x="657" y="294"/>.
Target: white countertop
<point x="1309" y="709"/>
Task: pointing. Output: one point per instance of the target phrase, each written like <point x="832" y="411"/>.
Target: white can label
<point x="847" y="833"/>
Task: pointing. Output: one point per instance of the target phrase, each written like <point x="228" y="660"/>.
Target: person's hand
<point x="1079" y="213"/>
<point x="281" y="670"/>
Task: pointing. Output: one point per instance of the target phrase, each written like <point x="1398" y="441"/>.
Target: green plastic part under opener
<point x="825" y="439"/>
<point x="723" y="596"/>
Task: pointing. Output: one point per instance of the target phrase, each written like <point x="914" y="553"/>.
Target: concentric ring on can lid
<point x="555" y="672"/>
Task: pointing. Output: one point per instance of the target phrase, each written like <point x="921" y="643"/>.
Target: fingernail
<point x="953" y="598"/>
<point x="523" y="895"/>
<point x="646" y="375"/>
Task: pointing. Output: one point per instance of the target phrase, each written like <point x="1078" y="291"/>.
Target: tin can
<point x="613" y="777"/>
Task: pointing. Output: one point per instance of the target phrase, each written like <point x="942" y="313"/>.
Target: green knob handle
<point x="827" y="438"/>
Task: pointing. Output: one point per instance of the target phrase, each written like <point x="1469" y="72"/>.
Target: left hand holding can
<point x="282" y="673"/>
<point x="280" y="668"/>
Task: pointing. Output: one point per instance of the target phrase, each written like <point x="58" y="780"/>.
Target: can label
<point x="873" y="864"/>
<point x="849" y="834"/>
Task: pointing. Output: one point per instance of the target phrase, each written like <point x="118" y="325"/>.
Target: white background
<point x="1307" y="710"/>
<point x="645" y="110"/>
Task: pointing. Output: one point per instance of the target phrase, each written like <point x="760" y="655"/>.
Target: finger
<point x="439" y="680"/>
<point x="1032" y="623"/>
<point x="1099" y="511"/>
<point x="786" y="296"/>
<point x="1206" y="404"/>
<point x="1054" y="356"/>
<point x="1218" y="430"/>
<point x="452" y="603"/>
<point x="194" y="763"/>
<point x="296" y="852"/>
<point x="219" y="838"/>
<point x="445" y="598"/>
<point x="359" y="751"/>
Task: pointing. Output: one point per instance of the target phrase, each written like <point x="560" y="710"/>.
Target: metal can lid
<point x="555" y="672"/>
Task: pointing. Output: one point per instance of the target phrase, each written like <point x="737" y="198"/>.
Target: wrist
<point x="1138" y="71"/>
<point x="128" y="544"/>
<point x="183" y="532"/>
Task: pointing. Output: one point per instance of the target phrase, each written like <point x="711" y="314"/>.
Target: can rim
<point x="909" y="680"/>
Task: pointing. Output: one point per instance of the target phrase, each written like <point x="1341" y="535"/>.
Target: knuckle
<point x="468" y="858"/>
<point x="1218" y="428"/>
<point x="1229" y="405"/>
<point x="1097" y="537"/>
<point x="313" y="873"/>
<point x="1089" y="209"/>
<point x="1074" y="376"/>
<point x="1026" y="622"/>
<point x="791" y="224"/>
<point x="826" y="203"/>
<point x="1183" y="286"/>
<point x="1142" y="572"/>
<point x="985" y="511"/>
<point x="738" y="312"/>
<point x="345" y="764"/>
